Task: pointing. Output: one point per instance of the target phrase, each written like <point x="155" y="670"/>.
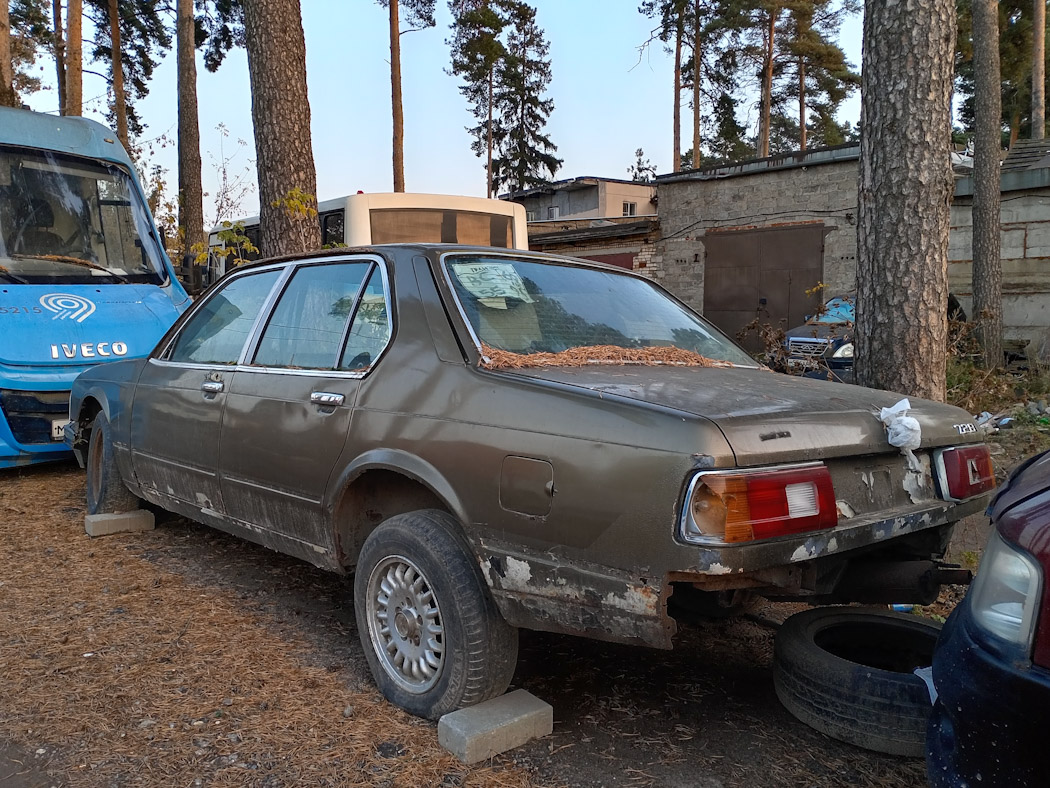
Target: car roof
<point x="440" y="248"/>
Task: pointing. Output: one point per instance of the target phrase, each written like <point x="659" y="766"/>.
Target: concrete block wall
<point x="689" y="208"/>
<point x="1025" y="253"/>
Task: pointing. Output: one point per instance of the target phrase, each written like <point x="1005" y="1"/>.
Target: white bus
<point x="364" y="219"/>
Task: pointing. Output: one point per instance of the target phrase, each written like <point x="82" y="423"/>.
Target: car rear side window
<point x="216" y="334"/>
<point x="370" y="330"/>
<point x="307" y="325"/>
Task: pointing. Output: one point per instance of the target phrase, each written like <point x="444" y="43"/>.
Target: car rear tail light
<point x="744" y="506"/>
<point x="965" y="471"/>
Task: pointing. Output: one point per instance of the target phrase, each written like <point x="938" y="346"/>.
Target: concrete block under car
<point x="123" y="523"/>
<point x="495" y="726"/>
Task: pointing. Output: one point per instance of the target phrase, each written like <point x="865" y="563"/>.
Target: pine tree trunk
<point x="1038" y="69"/>
<point x="767" y="87"/>
<point x="60" y="55"/>
<point x="987" y="267"/>
<point x="696" y="84"/>
<point x="281" y="116"/>
<point x="7" y="73"/>
<point x="905" y="191"/>
<point x="488" y="131"/>
<point x="74" y="102"/>
<point x="191" y="193"/>
<point x="676" y="164"/>
<point x="1015" y="128"/>
<point x="120" y="108"/>
<point x="802" y="104"/>
<point x="395" y="98"/>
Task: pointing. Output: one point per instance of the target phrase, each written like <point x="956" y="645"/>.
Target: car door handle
<point x="326" y="398"/>
<point x="212" y="386"/>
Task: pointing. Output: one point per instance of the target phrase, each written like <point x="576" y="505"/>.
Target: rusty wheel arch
<point x="371" y="497"/>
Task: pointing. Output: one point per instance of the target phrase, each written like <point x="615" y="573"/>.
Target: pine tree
<point x="131" y="36"/>
<point x="418" y="14"/>
<point x="525" y="152"/>
<point x="642" y="171"/>
<point x="1015" y="61"/>
<point x="905" y="190"/>
<point x="476" y="50"/>
<point x="28" y="38"/>
<point x="284" y="157"/>
<point x="822" y="78"/>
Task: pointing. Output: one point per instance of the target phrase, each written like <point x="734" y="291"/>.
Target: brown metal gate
<point x="762" y="273"/>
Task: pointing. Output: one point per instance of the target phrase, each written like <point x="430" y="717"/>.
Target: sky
<point x="608" y="101"/>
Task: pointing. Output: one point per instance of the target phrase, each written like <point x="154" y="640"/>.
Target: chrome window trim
<point x="266" y="311"/>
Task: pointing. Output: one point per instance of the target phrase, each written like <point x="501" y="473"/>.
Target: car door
<point x="288" y="410"/>
<point x="180" y="395"/>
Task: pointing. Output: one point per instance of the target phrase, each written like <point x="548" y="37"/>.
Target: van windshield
<point x="528" y="312"/>
<point x="70" y="220"/>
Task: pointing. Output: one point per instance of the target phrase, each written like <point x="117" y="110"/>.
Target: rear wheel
<point x="106" y="491"/>
<point x="431" y="632"/>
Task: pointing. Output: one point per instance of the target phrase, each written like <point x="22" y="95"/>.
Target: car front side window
<point x="307" y="325"/>
<point x="217" y="332"/>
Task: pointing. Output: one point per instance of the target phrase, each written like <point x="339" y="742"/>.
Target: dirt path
<point x="186" y="657"/>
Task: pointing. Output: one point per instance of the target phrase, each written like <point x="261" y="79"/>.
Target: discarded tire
<point x="847" y="672"/>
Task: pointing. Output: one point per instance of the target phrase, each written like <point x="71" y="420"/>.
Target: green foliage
<point x="502" y="57"/>
<point x="144" y="40"/>
<point x="418" y="14"/>
<point x="30" y="37"/>
<point x="525" y="156"/>
<point x="237" y="247"/>
<point x="1015" y="64"/>
<point x="301" y="208"/>
<point x="219" y="27"/>
<point x="642" y="171"/>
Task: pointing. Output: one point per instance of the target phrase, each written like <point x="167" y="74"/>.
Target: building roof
<point x="569" y="185"/>
<point x="598" y="231"/>
<point x="1027" y="155"/>
<point x="783" y="161"/>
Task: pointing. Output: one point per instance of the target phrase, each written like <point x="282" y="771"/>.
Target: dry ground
<point x="186" y="657"/>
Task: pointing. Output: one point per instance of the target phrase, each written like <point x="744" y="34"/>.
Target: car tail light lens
<point x="1006" y="593"/>
<point x="744" y="506"/>
<point x="964" y="472"/>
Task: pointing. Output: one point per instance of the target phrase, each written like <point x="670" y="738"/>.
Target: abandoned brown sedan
<point x="493" y="440"/>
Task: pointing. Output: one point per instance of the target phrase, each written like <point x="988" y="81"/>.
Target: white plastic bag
<point x="903" y="431"/>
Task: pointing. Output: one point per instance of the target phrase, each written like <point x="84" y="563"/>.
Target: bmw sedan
<point x="491" y="439"/>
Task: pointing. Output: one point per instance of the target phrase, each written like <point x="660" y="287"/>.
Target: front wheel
<point x="106" y="491"/>
<point x="431" y="632"/>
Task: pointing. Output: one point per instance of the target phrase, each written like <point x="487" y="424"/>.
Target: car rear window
<point x="532" y="307"/>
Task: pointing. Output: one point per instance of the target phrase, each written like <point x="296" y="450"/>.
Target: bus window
<point x="332" y="229"/>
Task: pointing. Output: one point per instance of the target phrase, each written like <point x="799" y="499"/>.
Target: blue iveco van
<point x="83" y="276"/>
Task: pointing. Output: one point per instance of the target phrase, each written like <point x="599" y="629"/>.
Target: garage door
<point x="763" y="273"/>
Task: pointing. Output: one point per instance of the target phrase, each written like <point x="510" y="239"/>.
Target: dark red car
<point x="992" y="664"/>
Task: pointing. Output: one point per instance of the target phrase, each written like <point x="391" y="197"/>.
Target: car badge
<point x="64" y="306"/>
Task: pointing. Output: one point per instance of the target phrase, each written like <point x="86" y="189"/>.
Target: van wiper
<point x="61" y="258"/>
<point x="12" y="277"/>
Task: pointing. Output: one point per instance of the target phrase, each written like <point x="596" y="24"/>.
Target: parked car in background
<point x="822" y="347"/>
<point x="991" y="668"/>
<point x="493" y="439"/>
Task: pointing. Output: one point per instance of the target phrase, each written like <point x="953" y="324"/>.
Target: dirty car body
<point x="992" y="663"/>
<point x="595" y="445"/>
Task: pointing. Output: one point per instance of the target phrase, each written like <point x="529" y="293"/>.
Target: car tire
<point x="417" y="572"/>
<point x="106" y="491"/>
<point x="847" y="672"/>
